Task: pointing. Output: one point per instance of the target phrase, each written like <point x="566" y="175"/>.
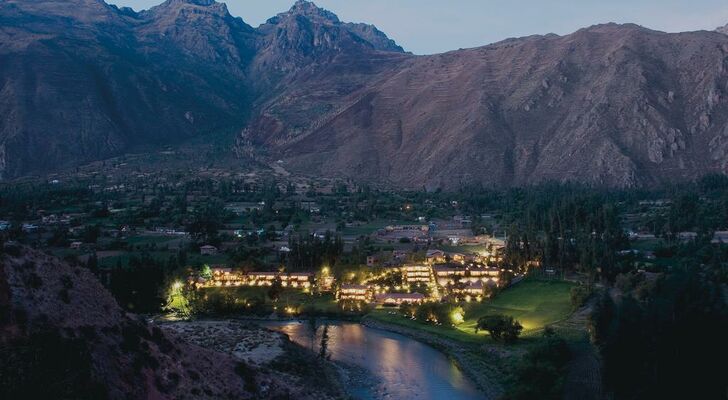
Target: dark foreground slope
<point x="62" y="336"/>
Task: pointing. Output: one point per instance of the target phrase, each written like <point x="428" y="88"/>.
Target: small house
<point x="208" y="250"/>
<point x="353" y="292"/>
<point x="397" y="299"/>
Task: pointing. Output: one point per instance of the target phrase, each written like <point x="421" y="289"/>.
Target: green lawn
<point x="534" y="304"/>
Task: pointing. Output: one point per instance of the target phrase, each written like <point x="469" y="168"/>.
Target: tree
<point x="206" y="272"/>
<point x="177" y="301"/>
<point x="542" y="371"/>
<point x="323" y="352"/>
<point x="500" y="327"/>
<point x="274" y="293"/>
<point x="312" y="329"/>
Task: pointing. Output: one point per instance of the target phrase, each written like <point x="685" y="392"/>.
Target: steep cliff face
<point x="80" y="80"/>
<point x="616" y="105"/>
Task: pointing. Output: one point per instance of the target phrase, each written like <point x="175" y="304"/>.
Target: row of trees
<point x="664" y="337"/>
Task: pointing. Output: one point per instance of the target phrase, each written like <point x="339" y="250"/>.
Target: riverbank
<point x="481" y="363"/>
<point x="265" y="349"/>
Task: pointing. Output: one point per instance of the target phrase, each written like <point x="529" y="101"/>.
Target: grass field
<point x="371" y="227"/>
<point x="535" y="304"/>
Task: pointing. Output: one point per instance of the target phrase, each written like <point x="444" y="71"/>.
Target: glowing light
<point x="457" y="317"/>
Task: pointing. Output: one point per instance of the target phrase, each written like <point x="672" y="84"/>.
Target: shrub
<point x="500" y="327"/>
<point x="579" y="295"/>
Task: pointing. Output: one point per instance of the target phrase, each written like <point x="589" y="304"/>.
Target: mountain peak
<point x="309" y="10"/>
<point x="723" y="29"/>
<point x="319" y="16"/>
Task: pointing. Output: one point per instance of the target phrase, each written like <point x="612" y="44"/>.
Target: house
<point x="297" y="279"/>
<point x="29" y="228"/>
<point x="687" y="236"/>
<point x="326" y="283"/>
<point x="720" y="237"/>
<point x="226" y="276"/>
<point x="353" y="292"/>
<point x="372" y="261"/>
<point x="435" y="256"/>
<point x="475" y="289"/>
<point x="458" y="257"/>
<point x="208" y="250"/>
<point x="447" y="274"/>
<point x="261" y="278"/>
<point x="397" y="299"/>
<point x="417" y="273"/>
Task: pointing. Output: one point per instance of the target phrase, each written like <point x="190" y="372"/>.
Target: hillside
<point x="62" y="335"/>
<point x="613" y="105"/>
<point x="610" y="105"/>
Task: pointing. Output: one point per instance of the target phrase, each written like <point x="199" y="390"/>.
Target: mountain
<point x="613" y="105"/>
<point x="723" y="29"/>
<point x="83" y="81"/>
<point x="62" y="335"/>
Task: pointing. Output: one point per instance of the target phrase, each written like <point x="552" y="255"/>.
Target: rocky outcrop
<point x="723" y="29"/>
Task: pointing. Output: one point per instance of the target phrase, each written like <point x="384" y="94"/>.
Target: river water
<point x="401" y="368"/>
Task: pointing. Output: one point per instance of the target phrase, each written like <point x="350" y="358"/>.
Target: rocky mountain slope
<point x="723" y="29"/>
<point x="62" y="335"/>
<point x="615" y="105"/>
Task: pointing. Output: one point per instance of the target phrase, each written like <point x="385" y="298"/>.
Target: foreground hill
<point x="62" y="335"/>
<point x="613" y="105"/>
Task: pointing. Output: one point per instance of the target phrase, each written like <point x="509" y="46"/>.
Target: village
<point x="441" y="276"/>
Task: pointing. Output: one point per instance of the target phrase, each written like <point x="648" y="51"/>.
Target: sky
<point x="435" y="26"/>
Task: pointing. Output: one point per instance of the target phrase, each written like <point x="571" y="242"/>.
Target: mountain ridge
<point x="612" y="105"/>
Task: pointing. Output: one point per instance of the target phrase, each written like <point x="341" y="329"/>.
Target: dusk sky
<point x="433" y="26"/>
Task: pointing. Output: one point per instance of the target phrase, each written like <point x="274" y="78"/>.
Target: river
<point x="401" y="368"/>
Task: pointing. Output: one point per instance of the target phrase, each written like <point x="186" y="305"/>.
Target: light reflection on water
<point x="403" y="367"/>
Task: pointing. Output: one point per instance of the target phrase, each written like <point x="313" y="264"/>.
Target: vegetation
<point x="540" y="373"/>
<point x="660" y="334"/>
<point x="500" y="327"/>
<point x="658" y="306"/>
<point x="46" y="364"/>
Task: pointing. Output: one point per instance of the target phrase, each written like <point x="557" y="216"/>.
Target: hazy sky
<point x="432" y="26"/>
